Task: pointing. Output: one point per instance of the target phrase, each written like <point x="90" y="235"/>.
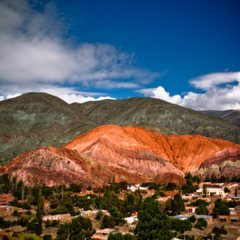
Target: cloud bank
<point x="34" y="56"/>
<point x="215" y="98"/>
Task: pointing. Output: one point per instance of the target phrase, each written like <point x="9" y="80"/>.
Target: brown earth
<point x="130" y="154"/>
<point x="225" y="162"/>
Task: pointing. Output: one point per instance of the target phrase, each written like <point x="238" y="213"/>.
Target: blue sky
<point x="184" y="52"/>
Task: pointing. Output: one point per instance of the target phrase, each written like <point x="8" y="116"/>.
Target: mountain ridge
<point x="232" y="116"/>
<point x="131" y="154"/>
<point x="36" y="119"/>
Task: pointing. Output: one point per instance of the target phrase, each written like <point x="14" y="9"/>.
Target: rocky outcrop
<point x="225" y="162"/>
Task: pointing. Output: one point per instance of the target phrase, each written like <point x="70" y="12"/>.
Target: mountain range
<point x="137" y="140"/>
<point x="131" y="154"/>
<point x="39" y="119"/>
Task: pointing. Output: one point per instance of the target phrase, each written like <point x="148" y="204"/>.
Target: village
<point x="198" y="210"/>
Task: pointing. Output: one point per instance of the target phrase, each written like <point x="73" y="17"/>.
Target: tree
<point x="152" y="224"/>
<point x="99" y="215"/>
<point x="40" y="212"/>
<point x="201" y="223"/>
<point x="202" y="210"/>
<point x="171" y="186"/>
<point x="75" y="187"/>
<point x="108" y="222"/>
<point x="236" y="192"/>
<point x="40" y="205"/>
<point x="79" y="229"/>
<point x="204" y="190"/>
<point x="47" y="237"/>
<point x="181" y="225"/>
<point x="221" y="208"/>
<point x="119" y="236"/>
<point x="192" y="219"/>
<point x="178" y="198"/>
<point x="226" y="190"/>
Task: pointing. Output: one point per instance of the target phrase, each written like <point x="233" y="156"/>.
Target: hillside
<point x="36" y="119"/>
<point x="232" y="116"/>
<point x="130" y="154"/>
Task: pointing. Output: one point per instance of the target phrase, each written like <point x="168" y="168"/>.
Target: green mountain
<point x="36" y="119"/>
<point x="232" y="116"/>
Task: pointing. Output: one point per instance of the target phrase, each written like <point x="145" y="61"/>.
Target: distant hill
<point x="39" y="119"/>
<point x="232" y="116"/>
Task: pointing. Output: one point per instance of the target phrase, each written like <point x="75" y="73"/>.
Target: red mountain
<point x="130" y="154"/>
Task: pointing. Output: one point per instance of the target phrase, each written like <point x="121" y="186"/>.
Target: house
<point x="171" y="194"/>
<point x="163" y="198"/>
<point x="151" y="192"/>
<point x="229" y="197"/>
<point x="132" y="218"/>
<point x="213" y="191"/>
<point x="184" y="217"/>
<point x="6" y="210"/>
<point x="102" y="234"/>
<point x="190" y="209"/>
<point x="6" y="198"/>
<point x="229" y="218"/>
<point x="60" y="217"/>
<point x="89" y="192"/>
<point x="46" y="205"/>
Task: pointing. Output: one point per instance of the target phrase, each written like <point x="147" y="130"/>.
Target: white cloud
<point x="162" y="94"/>
<point x="146" y="91"/>
<point x="215" y="98"/>
<point x="115" y="84"/>
<point x="71" y="98"/>
<point x="209" y="81"/>
<point x="13" y="95"/>
<point x="33" y="54"/>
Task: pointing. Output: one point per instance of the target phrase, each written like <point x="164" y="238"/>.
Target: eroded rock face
<point x="225" y="162"/>
<point x="118" y="145"/>
<point x="130" y="154"/>
<point x="53" y="166"/>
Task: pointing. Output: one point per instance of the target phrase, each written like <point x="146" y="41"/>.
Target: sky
<point x="183" y="52"/>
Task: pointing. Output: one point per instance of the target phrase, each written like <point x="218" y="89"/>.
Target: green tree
<point x="201" y="223"/>
<point x="119" y="236"/>
<point x="152" y="224"/>
<point x="40" y="205"/>
<point x="204" y="190"/>
<point x="192" y="219"/>
<point x="79" y="229"/>
<point x="99" y="215"/>
<point x="226" y="190"/>
<point x="47" y="237"/>
<point x="178" y="199"/>
<point x="202" y="210"/>
<point x="108" y="222"/>
<point x="221" y="208"/>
